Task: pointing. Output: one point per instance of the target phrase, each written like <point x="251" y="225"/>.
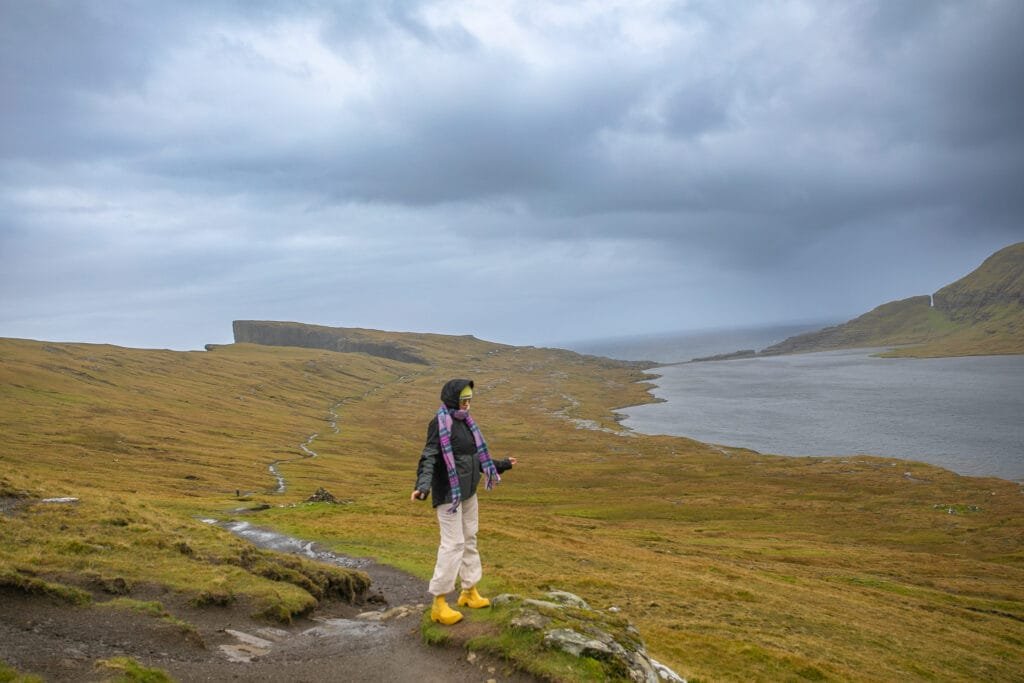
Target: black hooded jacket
<point x="432" y="475"/>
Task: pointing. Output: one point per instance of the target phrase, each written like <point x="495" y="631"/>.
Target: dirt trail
<point x="377" y="640"/>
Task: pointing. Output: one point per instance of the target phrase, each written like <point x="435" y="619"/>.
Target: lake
<point x="963" y="414"/>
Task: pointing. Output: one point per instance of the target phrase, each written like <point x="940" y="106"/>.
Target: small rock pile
<point x="322" y="495"/>
<point x="569" y="624"/>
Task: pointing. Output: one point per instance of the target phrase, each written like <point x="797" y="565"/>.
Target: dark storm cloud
<point x="724" y="151"/>
<point x="794" y="118"/>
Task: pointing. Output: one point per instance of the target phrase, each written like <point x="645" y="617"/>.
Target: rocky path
<point x="377" y="640"/>
<point x="61" y="643"/>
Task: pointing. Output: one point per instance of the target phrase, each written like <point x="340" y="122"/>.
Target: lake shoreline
<point x="678" y="416"/>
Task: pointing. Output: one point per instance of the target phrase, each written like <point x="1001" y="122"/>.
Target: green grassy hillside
<point x="982" y="313"/>
<point x="735" y="566"/>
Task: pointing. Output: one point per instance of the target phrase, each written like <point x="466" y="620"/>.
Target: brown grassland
<point x="733" y="565"/>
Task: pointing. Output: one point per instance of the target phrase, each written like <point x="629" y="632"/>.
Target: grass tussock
<point x="127" y="670"/>
<point x="733" y="565"/>
<point x="20" y="582"/>
<point x="433" y="633"/>
<point x="319" y="581"/>
<point x="180" y="553"/>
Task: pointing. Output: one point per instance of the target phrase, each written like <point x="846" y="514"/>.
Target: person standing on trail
<point x="451" y="465"/>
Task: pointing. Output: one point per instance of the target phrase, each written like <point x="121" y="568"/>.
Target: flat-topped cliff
<point x="346" y="339"/>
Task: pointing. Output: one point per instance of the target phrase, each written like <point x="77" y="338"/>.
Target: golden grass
<point x="734" y="566"/>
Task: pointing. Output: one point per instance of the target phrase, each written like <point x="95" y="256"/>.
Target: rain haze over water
<point x="963" y="414"/>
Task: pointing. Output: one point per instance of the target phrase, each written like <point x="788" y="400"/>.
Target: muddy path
<point x="61" y="643"/>
<point x="376" y="639"/>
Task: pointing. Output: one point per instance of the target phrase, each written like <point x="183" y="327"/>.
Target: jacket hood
<point x="451" y="390"/>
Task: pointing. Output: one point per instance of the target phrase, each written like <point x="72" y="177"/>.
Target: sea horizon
<point x="686" y="345"/>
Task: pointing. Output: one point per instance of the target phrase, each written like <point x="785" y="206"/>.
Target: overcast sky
<point x="527" y="172"/>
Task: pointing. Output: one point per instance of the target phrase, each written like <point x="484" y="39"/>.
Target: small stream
<point x="273" y="540"/>
<point x="305" y="448"/>
<point x="308" y="452"/>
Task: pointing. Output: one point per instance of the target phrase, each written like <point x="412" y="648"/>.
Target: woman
<point x="451" y="465"/>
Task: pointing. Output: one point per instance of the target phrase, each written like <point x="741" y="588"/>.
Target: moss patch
<point x="130" y="671"/>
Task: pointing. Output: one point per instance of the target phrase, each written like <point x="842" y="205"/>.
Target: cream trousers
<point x="457" y="554"/>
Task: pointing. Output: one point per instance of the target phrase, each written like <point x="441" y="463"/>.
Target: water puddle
<point x="337" y="634"/>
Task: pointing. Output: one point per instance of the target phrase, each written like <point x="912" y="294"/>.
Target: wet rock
<point x="530" y="621"/>
<point x="567" y="598"/>
<point x="399" y="612"/>
<point x="246" y="647"/>
<point x="504" y="599"/>
<point x="666" y="673"/>
<point x="576" y="644"/>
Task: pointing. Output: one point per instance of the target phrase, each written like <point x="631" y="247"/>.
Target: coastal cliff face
<point x="997" y="285"/>
<point x="982" y="313"/>
<point x="351" y="340"/>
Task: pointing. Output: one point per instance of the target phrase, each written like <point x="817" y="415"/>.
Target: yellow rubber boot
<point x="442" y="613"/>
<point x="471" y="598"/>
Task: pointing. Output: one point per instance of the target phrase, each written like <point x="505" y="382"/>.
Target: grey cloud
<point x="53" y="56"/>
<point x="254" y="158"/>
<point x="354" y="23"/>
<point x="511" y="131"/>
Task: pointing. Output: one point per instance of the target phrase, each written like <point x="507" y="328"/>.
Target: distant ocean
<point x="679" y="347"/>
<point x="963" y="414"/>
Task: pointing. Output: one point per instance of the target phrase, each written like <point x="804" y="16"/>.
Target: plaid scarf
<point x="444" y="429"/>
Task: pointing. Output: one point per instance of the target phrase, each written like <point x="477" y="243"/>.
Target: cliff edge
<point x="345" y="339"/>
<point x="979" y="314"/>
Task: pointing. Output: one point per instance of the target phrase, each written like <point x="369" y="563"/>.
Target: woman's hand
<point x="417" y="495"/>
<point x="513" y="461"/>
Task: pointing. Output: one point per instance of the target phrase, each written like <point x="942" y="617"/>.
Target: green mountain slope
<point x="982" y="313"/>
